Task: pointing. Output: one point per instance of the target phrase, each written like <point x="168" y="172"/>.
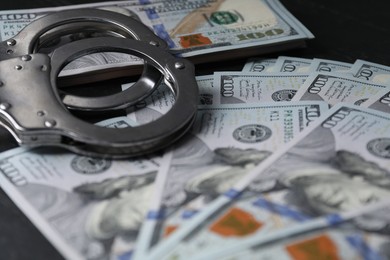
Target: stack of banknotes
<point x="200" y="30"/>
<point x="287" y="159"/>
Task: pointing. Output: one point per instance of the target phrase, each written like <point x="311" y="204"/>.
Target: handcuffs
<point x="36" y="112"/>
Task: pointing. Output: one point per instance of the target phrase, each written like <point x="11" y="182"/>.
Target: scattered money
<point x="225" y="143"/>
<point x="266" y="171"/>
<point x="186" y="212"/>
<point x="344" y="152"/>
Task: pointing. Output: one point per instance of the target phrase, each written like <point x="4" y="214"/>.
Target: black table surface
<point x="345" y="30"/>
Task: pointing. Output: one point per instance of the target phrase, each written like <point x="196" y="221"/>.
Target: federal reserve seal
<point x="380" y="147"/>
<point x="283" y="95"/>
<point x="252" y="133"/>
<point x="87" y="165"/>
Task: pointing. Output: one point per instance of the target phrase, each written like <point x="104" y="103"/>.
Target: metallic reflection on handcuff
<point x="37" y="113"/>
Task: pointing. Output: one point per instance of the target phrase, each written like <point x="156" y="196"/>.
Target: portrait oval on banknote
<point x="253" y="133"/>
<point x="379" y="147"/>
<point x="87" y="165"/>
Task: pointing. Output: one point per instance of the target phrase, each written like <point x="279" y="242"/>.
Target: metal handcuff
<point x="36" y="112"/>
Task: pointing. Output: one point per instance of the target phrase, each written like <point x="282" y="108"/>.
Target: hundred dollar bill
<point x="292" y="64"/>
<point x="250" y="223"/>
<point x="251" y="87"/>
<point x="372" y="72"/>
<point x="334" y="88"/>
<point x="322" y="65"/>
<point x="203" y="30"/>
<point x="224" y="144"/>
<point x="85" y="207"/>
<point x="259" y="65"/>
<point x="70" y="197"/>
<point x="338" y="165"/>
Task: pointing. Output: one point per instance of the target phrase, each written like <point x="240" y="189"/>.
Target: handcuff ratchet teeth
<point x="34" y="111"/>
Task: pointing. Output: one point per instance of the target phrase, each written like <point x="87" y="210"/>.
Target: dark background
<point x="345" y="30"/>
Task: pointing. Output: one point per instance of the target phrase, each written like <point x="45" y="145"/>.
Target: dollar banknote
<point x="252" y="87"/>
<point x="87" y="208"/>
<point x="203" y="30"/>
<point x="334" y="88"/>
<point x="339" y="164"/>
<point x="292" y="64"/>
<point x="224" y="144"/>
<point x="322" y="65"/>
<point x="71" y="198"/>
<point x="259" y="65"/>
<point x="267" y="219"/>
<point x="372" y="72"/>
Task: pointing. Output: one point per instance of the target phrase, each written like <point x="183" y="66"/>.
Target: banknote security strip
<point x="36" y="112"/>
